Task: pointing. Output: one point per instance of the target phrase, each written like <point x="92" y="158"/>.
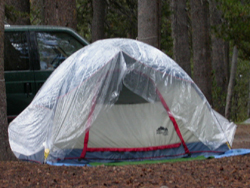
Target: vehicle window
<point x="54" y="48"/>
<point x="16" y="53"/>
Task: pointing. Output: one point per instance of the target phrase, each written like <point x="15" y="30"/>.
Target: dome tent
<point x="118" y="100"/>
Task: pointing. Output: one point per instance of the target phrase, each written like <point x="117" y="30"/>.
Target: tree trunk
<point x="226" y="59"/>
<point x="180" y="34"/>
<point x="5" y="151"/>
<point x="231" y="82"/>
<point x="60" y="13"/>
<point x="248" y="109"/>
<point x="149" y="22"/>
<point x="98" y="20"/>
<point x="219" y="59"/>
<point x="18" y="12"/>
<point x="201" y="47"/>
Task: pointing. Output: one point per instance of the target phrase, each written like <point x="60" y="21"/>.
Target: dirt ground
<point x="209" y="173"/>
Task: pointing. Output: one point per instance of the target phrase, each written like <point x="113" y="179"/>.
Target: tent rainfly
<point x="118" y="100"/>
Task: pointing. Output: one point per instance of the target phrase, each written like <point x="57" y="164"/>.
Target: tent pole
<point x="173" y="121"/>
<point x="89" y="121"/>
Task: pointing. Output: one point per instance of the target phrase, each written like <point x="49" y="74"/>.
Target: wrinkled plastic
<point x="90" y="81"/>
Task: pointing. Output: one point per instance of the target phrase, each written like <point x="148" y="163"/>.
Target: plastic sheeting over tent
<point x="116" y="100"/>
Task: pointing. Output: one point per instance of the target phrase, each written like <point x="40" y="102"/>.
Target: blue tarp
<point x="68" y="163"/>
<point x="229" y="153"/>
<point x="232" y="152"/>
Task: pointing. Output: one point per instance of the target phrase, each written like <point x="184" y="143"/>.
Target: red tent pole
<point x="89" y="121"/>
<point x="173" y="120"/>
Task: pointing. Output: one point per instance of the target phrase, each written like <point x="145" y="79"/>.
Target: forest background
<point x="209" y="39"/>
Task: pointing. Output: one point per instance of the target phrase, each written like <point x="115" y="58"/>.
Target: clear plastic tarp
<point x="90" y="81"/>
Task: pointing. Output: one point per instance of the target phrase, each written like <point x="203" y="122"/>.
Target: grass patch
<point x="242" y="123"/>
<point x="148" y="161"/>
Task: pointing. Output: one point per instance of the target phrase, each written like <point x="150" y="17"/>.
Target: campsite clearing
<point x="224" y="172"/>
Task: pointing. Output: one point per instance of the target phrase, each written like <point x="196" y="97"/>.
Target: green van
<point x="31" y="53"/>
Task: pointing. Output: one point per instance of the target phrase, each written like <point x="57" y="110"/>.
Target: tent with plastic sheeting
<point x="118" y="100"/>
